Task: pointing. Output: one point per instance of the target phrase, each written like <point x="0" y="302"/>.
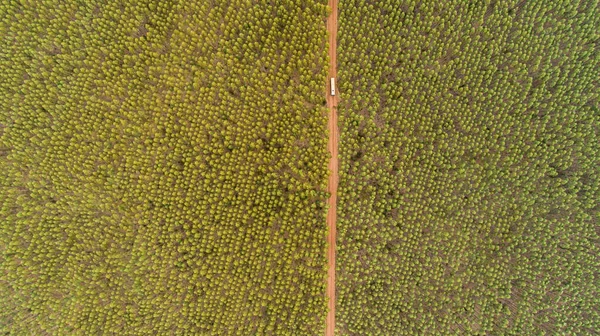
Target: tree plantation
<point x="164" y="167"/>
<point x="469" y="168"/>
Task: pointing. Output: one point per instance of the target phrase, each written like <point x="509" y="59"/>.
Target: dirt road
<point x="333" y="165"/>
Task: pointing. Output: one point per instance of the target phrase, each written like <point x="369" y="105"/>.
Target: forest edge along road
<point x="332" y="184"/>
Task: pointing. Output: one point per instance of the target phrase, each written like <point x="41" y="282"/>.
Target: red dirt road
<point x="332" y="184"/>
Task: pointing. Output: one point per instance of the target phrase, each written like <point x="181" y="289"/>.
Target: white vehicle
<point x="333" y="86"/>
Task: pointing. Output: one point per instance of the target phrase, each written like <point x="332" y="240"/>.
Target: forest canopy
<point x="469" y="168"/>
<point x="162" y="167"/>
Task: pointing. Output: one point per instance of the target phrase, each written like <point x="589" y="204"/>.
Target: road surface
<point x="332" y="145"/>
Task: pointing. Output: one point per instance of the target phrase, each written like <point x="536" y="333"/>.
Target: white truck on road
<point x="333" y="86"/>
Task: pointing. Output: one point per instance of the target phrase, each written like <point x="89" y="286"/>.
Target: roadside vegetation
<point x="469" y="168"/>
<point x="163" y="167"/>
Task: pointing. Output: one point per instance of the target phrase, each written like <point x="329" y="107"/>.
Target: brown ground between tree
<point x="332" y="146"/>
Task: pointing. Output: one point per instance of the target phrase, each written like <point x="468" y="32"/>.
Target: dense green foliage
<point x="470" y="166"/>
<point x="162" y="167"/>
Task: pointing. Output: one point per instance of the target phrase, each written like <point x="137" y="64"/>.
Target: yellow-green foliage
<point x="162" y="167"/>
<point x="470" y="168"/>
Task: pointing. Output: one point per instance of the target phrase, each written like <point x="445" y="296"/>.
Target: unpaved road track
<point x="332" y="145"/>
